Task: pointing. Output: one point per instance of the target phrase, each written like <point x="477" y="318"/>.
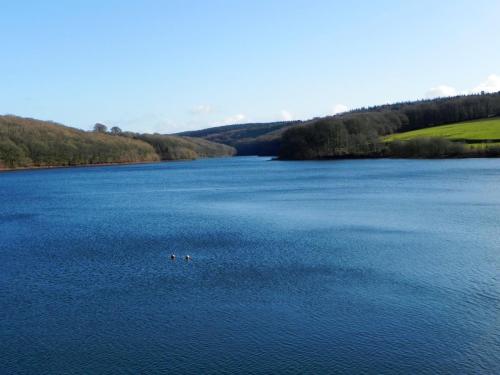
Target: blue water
<point x="364" y="267"/>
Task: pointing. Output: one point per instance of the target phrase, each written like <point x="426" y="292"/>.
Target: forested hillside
<point x="32" y="143"/>
<point x="359" y="133"/>
<point x="27" y="142"/>
<point x="247" y="139"/>
<point x="172" y="147"/>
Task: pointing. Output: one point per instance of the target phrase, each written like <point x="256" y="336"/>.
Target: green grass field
<point x="487" y="130"/>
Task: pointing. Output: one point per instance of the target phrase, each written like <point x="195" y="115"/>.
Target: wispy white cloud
<point x="441" y="91"/>
<point x="235" y="119"/>
<point x="286" y="115"/>
<point x="201" y="109"/>
<point x="339" y="108"/>
<point x="492" y="84"/>
<point x="147" y="123"/>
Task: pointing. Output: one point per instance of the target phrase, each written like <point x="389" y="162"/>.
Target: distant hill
<point x="442" y="127"/>
<point x="26" y="142"/>
<point x="247" y="139"/>
<point x="361" y="132"/>
<point x="174" y="147"/>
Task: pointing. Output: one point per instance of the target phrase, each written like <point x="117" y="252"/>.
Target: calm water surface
<point x="374" y="267"/>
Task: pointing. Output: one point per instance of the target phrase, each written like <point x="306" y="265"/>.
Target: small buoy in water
<point x="188" y="257"/>
<point x="172" y="257"/>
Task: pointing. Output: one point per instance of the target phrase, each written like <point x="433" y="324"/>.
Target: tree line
<point x="28" y="142"/>
<point x="173" y="147"/>
<point x="358" y="133"/>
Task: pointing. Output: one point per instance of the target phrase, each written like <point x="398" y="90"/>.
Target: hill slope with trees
<point x="248" y="139"/>
<point x="365" y="132"/>
<point x="360" y="133"/>
<point x="28" y="143"/>
<point x="173" y="147"/>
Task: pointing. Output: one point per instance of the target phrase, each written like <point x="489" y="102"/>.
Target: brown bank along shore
<point x="37" y="167"/>
<point x="4" y="169"/>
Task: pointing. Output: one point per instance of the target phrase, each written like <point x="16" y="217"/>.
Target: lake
<point x="364" y="266"/>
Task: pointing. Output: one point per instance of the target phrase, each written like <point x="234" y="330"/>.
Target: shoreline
<point x="272" y="158"/>
<point x="471" y="156"/>
<point x="34" y="168"/>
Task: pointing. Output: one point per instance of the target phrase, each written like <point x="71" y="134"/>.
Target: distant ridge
<point x="363" y="132"/>
<point x="248" y="139"/>
<point x="356" y="133"/>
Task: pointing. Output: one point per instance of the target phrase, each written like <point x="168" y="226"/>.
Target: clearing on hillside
<point x="479" y="131"/>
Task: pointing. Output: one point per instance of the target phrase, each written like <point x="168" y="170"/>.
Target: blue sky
<point x="167" y="66"/>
